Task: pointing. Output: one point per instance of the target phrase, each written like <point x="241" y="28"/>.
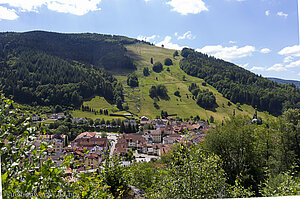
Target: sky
<point x="259" y="35"/>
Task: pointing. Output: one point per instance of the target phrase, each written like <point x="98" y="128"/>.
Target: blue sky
<point x="259" y="35"/>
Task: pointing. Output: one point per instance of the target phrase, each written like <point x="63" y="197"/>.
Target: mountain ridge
<point x="59" y="57"/>
<point x="285" y="81"/>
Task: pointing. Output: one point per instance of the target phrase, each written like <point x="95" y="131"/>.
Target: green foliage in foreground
<point x="239" y="160"/>
<point x="248" y="149"/>
<point x="186" y="172"/>
<point x="26" y="173"/>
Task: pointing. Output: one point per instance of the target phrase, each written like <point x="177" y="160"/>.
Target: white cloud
<point x="290" y="51"/>
<point x="168" y="44"/>
<point x="281" y="14"/>
<point x="267" y="13"/>
<point x="257" y="68"/>
<point x="187" y="35"/>
<point x="232" y="42"/>
<point x="185" y="7"/>
<point x="265" y="50"/>
<point x="288" y="59"/>
<point x="148" y="39"/>
<point x="228" y="53"/>
<point x="8" y="14"/>
<point x="295" y="64"/>
<point x="277" y="67"/>
<point x="76" y="7"/>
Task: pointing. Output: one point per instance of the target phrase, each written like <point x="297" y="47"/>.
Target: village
<point x="152" y="139"/>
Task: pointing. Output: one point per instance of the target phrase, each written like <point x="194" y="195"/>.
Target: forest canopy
<point x="240" y="85"/>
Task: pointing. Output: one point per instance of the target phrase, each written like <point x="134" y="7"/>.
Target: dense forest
<point x="47" y="68"/>
<point x="102" y="51"/>
<point x="240" y="85"/>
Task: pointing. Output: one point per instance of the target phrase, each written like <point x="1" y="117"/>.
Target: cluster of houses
<point x="88" y="149"/>
<point x="157" y="136"/>
<point x="154" y="138"/>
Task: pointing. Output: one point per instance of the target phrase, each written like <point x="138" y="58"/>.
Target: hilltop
<point x="48" y="69"/>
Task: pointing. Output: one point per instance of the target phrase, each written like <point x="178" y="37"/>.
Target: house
<point x="144" y="121"/>
<point x="160" y="123"/>
<point x="90" y="143"/>
<point x="171" y="139"/>
<point x="168" y="130"/>
<point x="155" y="134"/>
<point x="91" y="161"/>
<point x="86" y="135"/>
<point x="168" y="140"/>
<point x="58" y="116"/>
<point x="57" y="142"/>
<point x="130" y="141"/>
<point x="58" y="145"/>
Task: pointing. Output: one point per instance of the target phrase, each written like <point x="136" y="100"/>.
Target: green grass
<point x="98" y="103"/>
<point x="140" y="103"/>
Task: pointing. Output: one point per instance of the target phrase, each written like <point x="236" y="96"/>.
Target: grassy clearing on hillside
<point x="139" y="101"/>
<point x="98" y="103"/>
<point x="176" y="80"/>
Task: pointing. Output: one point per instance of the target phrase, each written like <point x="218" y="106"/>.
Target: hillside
<point x="240" y="85"/>
<point x="284" y="81"/>
<point x="139" y="101"/>
<point x="45" y="68"/>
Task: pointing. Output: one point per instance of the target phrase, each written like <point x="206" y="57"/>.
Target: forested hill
<point x="240" y="85"/>
<point x="102" y="51"/>
<point x="47" y="68"/>
<point x="283" y="81"/>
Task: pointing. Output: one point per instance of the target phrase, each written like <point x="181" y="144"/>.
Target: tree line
<point x="40" y="79"/>
<point x="240" y="85"/>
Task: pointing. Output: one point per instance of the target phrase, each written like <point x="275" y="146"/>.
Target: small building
<point x="91" y="161"/>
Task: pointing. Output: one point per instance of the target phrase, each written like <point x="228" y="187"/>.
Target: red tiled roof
<point x="91" y="142"/>
<point x="86" y="135"/>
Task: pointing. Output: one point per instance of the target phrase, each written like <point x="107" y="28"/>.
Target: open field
<point x="98" y="103"/>
<point x="140" y="103"/>
<point x="176" y="80"/>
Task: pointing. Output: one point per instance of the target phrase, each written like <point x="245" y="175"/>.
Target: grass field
<point x="98" y="103"/>
<point x="138" y="98"/>
<point x="140" y="103"/>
